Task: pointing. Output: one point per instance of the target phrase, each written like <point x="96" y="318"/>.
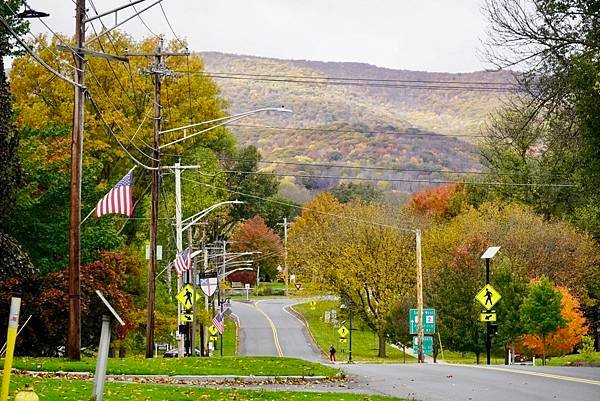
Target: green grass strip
<point x="79" y="390"/>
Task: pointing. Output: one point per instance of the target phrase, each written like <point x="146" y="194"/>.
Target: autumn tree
<point x="253" y="235"/>
<point x="440" y="202"/>
<point x="364" y="253"/>
<point x="348" y="192"/>
<point x="541" y="311"/>
<point x="564" y="339"/>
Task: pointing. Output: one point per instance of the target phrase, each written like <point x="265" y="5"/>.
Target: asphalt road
<point x="267" y="328"/>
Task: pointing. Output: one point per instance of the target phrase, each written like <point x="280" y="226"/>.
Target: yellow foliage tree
<point x="356" y="251"/>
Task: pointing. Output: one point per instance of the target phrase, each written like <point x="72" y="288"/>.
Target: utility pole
<point x="158" y="70"/>
<point x="74" y="331"/>
<point x="179" y="246"/>
<point x="286" y="276"/>
<point x="420" y="358"/>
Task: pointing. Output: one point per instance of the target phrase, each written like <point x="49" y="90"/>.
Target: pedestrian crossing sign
<point x="213" y="330"/>
<point x="313" y="305"/>
<point x="343" y="332"/>
<point x="186" y="296"/>
<point x="488" y="297"/>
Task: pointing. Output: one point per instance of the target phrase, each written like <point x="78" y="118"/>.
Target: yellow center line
<point x="275" y="337"/>
<point x="540" y="374"/>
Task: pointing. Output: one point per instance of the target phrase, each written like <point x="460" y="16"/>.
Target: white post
<point x="179" y="245"/>
<point x="100" y="375"/>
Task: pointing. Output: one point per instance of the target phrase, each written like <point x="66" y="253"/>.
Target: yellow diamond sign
<point x="213" y="330"/>
<point x="313" y="305"/>
<point x="343" y="332"/>
<point x="186" y="296"/>
<point x="487" y="317"/>
<point x="488" y="297"/>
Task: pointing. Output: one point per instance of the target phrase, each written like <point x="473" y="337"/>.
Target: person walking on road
<point x="332" y="353"/>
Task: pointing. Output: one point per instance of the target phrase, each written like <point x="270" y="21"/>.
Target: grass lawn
<point x="258" y="366"/>
<point x="469" y="358"/>
<point x="229" y="339"/>
<point x="78" y="390"/>
<point x="569" y="359"/>
<point x="364" y="342"/>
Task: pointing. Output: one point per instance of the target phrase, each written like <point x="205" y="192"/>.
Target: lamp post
<point x="487" y="255"/>
<point x="179" y="229"/>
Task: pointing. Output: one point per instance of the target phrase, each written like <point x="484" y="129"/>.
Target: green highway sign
<point x="427" y="345"/>
<point x="428" y="321"/>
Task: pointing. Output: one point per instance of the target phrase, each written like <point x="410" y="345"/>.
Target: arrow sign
<point x="187" y="318"/>
<point x="488" y="297"/>
<point x="487" y="317"/>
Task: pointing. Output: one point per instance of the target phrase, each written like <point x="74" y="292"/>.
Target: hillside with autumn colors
<point x="394" y="122"/>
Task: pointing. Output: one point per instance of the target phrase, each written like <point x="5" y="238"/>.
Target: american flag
<point x="183" y="262"/>
<point x="218" y="322"/>
<point x="118" y="200"/>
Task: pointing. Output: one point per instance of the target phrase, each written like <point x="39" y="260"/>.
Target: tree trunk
<point x="543" y="349"/>
<point x="381" y="353"/>
<point x="122" y="352"/>
<point x="506" y="361"/>
<point x="404" y="352"/>
<point x="477" y="353"/>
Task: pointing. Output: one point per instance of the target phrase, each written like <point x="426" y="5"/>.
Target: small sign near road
<point x="213" y="330"/>
<point x="427" y="345"/>
<point x="488" y="297"/>
<point x="428" y="321"/>
<point x="186" y="318"/>
<point x="298" y="286"/>
<point x="487" y="316"/>
<point x="313" y="305"/>
<point x="343" y="332"/>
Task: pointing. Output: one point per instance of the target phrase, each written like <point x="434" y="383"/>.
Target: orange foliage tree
<point x="563" y="340"/>
<point x="443" y="201"/>
<point x="255" y="235"/>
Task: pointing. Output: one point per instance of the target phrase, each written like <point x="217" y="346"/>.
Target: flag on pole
<point x="218" y="322"/>
<point x="183" y="262"/>
<point x="118" y="200"/>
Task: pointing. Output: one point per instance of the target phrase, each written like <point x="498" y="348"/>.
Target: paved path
<point x="268" y="328"/>
<point x="437" y="382"/>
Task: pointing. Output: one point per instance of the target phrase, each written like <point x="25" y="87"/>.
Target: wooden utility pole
<point x="420" y="356"/>
<point x="74" y="331"/>
<point x="158" y="70"/>
<point x="154" y="203"/>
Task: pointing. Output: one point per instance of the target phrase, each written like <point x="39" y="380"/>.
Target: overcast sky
<point x="429" y="35"/>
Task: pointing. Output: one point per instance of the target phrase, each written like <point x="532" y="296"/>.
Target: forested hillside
<point x="376" y="124"/>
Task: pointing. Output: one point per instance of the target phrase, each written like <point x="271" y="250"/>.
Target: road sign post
<point x="488" y="297"/>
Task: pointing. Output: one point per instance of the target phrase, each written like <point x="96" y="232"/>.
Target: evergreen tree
<point x="11" y="176"/>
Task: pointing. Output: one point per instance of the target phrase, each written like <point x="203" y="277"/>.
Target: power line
<point x="415" y="180"/>
<point x="423" y="81"/>
<point x="361" y="167"/>
<point x="315" y="80"/>
<point x="304" y="208"/>
<point x="350" y="131"/>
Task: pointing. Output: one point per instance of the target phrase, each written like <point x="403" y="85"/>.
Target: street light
<point x="343" y="306"/>
<point x="487" y="255"/>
